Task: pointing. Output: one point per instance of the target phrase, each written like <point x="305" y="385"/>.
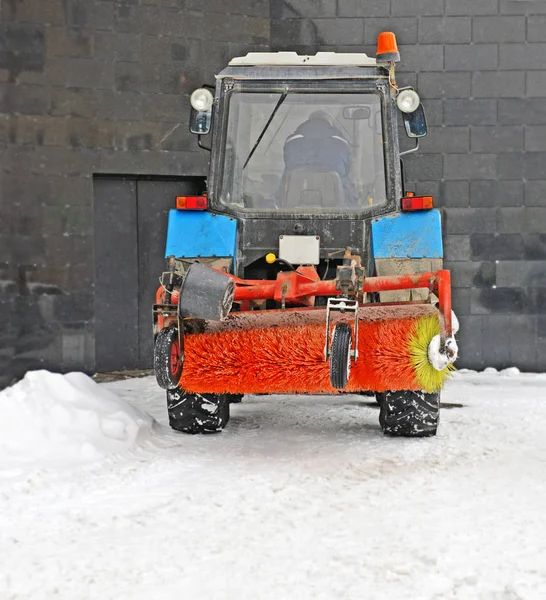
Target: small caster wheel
<point x="340" y="356"/>
<point x="168" y="360"/>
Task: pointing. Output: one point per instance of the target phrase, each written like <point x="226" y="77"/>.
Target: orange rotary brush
<point x="289" y="359"/>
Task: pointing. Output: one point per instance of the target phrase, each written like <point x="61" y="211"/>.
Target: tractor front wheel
<point x="197" y="413"/>
<point x="407" y="413"/>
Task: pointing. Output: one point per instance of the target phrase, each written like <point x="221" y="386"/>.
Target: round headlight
<point x="408" y="101"/>
<point x="201" y="99"/>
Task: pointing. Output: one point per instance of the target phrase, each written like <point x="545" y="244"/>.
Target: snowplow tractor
<point x="305" y="266"/>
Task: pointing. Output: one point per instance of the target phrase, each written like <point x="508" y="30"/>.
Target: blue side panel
<point x="408" y="235"/>
<point x="193" y="233"/>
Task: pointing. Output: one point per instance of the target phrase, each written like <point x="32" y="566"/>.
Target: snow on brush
<point x="300" y="497"/>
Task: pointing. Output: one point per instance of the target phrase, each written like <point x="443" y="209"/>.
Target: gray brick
<point x="124" y="106"/>
<point x="421" y="58"/>
<point x="434" y="110"/>
<point x="522" y="56"/>
<point x="522" y="333"/>
<point x="456" y="194"/>
<point x="534" y="166"/>
<point x="500" y="84"/>
<point x="134" y="77"/>
<point x="460" y="298"/>
<point x="76" y="102"/>
<point x="423" y="166"/>
<point x="340" y="31"/>
<point x="457" y="247"/>
<point x="90" y="15"/>
<point x="534" y="247"/>
<point x="70" y="42"/>
<point x="536" y="28"/>
<point x="468" y="221"/>
<point x="511" y="165"/>
<point x="472" y="274"/>
<point x="444" y="85"/>
<point x="470" y="112"/>
<point x="140" y="19"/>
<point x="498" y="29"/>
<point x="164" y="107"/>
<point x="496" y="247"/>
<point x="45" y="12"/>
<point x="405" y="29"/>
<point x="522" y="112"/>
<point x="496" y="193"/>
<point x="536" y="84"/>
<point x="499" y="139"/>
<point x="495" y="341"/>
<point x="534" y="220"/>
<point x="520" y="273"/>
<point x="295" y="9"/>
<point x="522" y="7"/>
<point x="497" y="301"/>
<point x="256" y="8"/>
<point x="535" y="193"/>
<point x="446" y="139"/>
<point x="445" y="30"/>
<point x="81" y="72"/>
<point x="287" y="32"/>
<point x="470" y="166"/>
<point x="22" y="48"/>
<point x="470" y="343"/>
<point x="417" y="7"/>
<point x="40" y="130"/>
<point x="26" y="99"/>
<point x="357" y="8"/>
<point x="535" y="138"/>
<point x="471" y="7"/>
<point x="477" y="57"/>
<point x="116" y="46"/>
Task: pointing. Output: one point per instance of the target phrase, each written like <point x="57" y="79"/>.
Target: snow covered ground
<point x="298" y="498"/>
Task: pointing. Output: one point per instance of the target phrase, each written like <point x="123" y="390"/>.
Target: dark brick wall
<point x="480" y="67"/>
<point x="100" y="86"/>
<point x="91" y="87"/>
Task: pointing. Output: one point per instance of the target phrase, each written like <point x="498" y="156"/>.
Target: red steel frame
<point x="300" y="288"/>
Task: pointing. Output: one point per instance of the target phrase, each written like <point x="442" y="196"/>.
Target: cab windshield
<point x="294" y="152"/>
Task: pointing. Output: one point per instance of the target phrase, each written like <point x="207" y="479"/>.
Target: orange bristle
<point x="290" y="360"/>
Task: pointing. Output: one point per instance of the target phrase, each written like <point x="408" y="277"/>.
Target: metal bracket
<point x="341" y="305"/>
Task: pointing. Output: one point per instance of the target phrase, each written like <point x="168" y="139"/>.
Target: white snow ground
<point x="300" y="497"/>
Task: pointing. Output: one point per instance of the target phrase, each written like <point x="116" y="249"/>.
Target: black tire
<point x="166" y="368"/>
<point x="197" y="413"/>
<point x="340" y="359"/>
<point x="408" y="413"/>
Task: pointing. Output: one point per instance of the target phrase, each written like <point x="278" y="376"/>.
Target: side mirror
<point x="200" y="121"/>
<point x="415" y="122"/>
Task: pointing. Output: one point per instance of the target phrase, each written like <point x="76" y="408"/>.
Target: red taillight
<point x="417" y="203"/>
<point x="191" y="202"/>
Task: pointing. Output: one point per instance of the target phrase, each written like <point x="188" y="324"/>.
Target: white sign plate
<point x="300" y="249"/>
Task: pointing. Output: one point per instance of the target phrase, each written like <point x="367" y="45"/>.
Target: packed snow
<point x="49" y="419"/>
<point x="300" y="497"/>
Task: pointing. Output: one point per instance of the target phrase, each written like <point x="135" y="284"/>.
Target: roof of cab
<point x="293" y="59"/>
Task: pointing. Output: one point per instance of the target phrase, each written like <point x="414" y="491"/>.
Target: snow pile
<point x="49" y="419"/>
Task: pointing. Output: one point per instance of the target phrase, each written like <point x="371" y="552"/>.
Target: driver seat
<point x="305" y="187"/>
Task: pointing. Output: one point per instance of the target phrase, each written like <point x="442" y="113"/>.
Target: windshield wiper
<point x="278" y="105"/>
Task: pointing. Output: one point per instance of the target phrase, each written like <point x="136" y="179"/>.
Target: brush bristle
<point x="290" y="359"/>
<point x="427" y="376"/>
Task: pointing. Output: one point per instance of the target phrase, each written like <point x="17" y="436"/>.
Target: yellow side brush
<point x="289" y="359"/>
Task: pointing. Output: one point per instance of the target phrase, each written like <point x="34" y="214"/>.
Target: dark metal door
<point x="130" y="232"/>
